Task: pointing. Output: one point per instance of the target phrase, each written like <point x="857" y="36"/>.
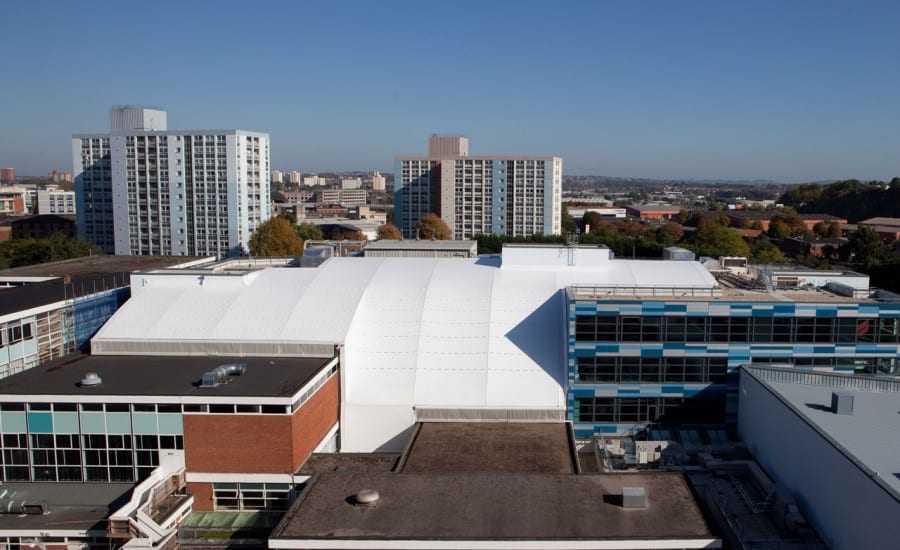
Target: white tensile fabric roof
<point x="416" y="333"/>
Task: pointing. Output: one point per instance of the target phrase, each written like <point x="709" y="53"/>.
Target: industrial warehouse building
<point x="832" y="439"/>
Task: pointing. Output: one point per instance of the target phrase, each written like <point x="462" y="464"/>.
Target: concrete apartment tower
<point x="500" y="195"/>
<point x="142" y="189"/>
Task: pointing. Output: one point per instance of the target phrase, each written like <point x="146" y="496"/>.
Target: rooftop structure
<point x="518" y="490"/>
<point x="541" y="332"/>
<point x="448" y="146"/>
<point x="79" y="510"/>
<point x="491" y="447"/>
<point x="421" y="249"/>
<point x="401" y="323"/>
<point x="829" y="439"/>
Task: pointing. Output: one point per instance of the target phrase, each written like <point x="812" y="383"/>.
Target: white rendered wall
<point x="839" y="500"/>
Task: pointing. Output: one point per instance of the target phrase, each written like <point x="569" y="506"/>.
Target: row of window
<point x="657" y="328"/>
<point x="144" y="407"/>
<point x="712" y="370"/>
<point x="635" y="410"/>
<point x="686" y="370"/>
<point x="16" y="331"/>
<point x="251" y="496"/>
<point x="61" y="457"/>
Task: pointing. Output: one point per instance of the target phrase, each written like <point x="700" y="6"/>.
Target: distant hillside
<point x="850" y="199"/>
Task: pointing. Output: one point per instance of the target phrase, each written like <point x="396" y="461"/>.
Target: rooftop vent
<point x="367" y="498"/>
<point x="222" y="374"/>
<point x="90" y="380"/>
<point x="634" y="497"/>
<point x="841" y="402"/>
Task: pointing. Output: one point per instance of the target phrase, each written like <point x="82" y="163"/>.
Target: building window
<point x="251" y="496"/>
<point x="682" y="370"/>
<point x="638" y="410"/>
<point x="718" y="329"/>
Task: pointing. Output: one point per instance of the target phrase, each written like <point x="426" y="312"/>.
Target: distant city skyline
<point x="789" y="92"/>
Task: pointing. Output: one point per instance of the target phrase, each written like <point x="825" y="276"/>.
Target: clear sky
<point x="785" y="90"/>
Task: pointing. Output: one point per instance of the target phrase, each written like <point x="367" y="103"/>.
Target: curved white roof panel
<point x="415" y="333"/>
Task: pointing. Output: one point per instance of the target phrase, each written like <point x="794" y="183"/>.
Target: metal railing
<point x="580" y="292"/>
<point x="833" y="380"/>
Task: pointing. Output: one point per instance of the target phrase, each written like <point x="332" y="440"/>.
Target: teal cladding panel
<point x="40" y="422"/>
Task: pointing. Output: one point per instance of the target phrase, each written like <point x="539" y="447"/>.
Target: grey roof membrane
<point x="871" y="434"/>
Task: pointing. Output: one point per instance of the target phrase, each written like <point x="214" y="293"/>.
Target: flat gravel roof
<point x="491" y="447"/>
<point x="129" y="375"/>
<point x="492" y="506"/>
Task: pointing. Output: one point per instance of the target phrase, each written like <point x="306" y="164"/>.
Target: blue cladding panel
<point x="40" y="422"/>
<point x="92" y="312"/>
<point x="93" y="423"/>
<point x="13" y="422"/>
<point x="736" y="353"/>
<point x="65" y="422"/>
<point x="170" y="424"/>
<point x="144" y="423"/>
<point x="118" y="423"/>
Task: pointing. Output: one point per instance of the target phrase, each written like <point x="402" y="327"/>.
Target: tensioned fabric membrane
<point x="419" y="338"/>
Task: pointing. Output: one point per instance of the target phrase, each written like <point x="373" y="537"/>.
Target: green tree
<point x="827" y="229"/>
<point x="865" y="246"/>
<point x="309" y="232"/>
<point x="762" y="251"/>
<point x="592" y="220"/>
<point x="669" y="233"/>
<point x="778" y="229"/>
<point x="389" y="231"/>
<point x="275" y="237"/>
<point x="434" y="228"/>
<point x="568" y="223"/>
<point x="790" y="220"/>
<point x="58" y="247"/>
<point x="717" y="240"/>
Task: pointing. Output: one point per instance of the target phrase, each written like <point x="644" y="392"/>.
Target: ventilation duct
<point x="222" y="374"/>
<point x="842" y="402"/>
<point x="19" y="507"/>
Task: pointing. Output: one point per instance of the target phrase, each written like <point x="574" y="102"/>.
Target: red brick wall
<point x="237" y="443"/>
<point x="314" y="419"/>
<point x="203" y="496"/>
<point x="259" y="443"/>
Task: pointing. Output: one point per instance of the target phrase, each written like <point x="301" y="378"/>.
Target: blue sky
<point x="784" y="90"/>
